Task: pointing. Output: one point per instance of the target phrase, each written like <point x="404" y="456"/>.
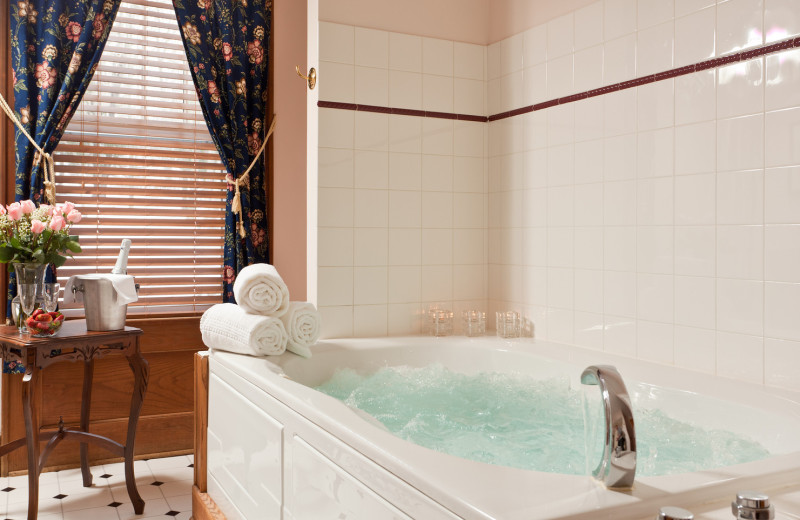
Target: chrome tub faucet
<point x="618" y="466"/>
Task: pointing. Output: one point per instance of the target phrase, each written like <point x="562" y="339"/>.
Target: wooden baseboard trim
<point x="203" y="507"/>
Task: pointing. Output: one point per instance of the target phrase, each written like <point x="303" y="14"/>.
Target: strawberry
<point x="37" y="312"/>
<point x="44" y="318"/>
<point x="59" y="318"/>
<point x="42" y="326"/>
<point x="54" y="314"/>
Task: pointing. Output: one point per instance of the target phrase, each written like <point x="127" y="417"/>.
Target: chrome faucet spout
<point x="618" y="467"/>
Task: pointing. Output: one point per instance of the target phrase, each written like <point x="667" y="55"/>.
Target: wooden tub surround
<point x="73" y="343"/>
<point x="203" y="506"/>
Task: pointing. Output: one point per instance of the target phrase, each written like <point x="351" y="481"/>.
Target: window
<point x="138" y="161"/>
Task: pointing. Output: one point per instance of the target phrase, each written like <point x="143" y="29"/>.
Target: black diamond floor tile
<point x="157" y="483"/>
<point x="60" y="496"/>
<point x="190" y="466"/>
<point x="115" y="504"/>
<point x="106" y="475"/>
<point x="172" y="513"/>
<point x="8" y="489"/>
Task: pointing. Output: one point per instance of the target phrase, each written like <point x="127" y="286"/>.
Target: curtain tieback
<point x="236" y="204"/>
<point x="49" y="164"/>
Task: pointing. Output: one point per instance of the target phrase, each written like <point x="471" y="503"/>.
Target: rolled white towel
<point x="259" y="289"/>
<point x="227" y="326"/>
<point x="302" y="322"/>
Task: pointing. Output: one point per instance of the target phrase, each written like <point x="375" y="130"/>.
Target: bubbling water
<point x="518" y="421"/>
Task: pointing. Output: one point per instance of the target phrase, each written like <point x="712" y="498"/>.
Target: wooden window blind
<point x="138" y="162"/>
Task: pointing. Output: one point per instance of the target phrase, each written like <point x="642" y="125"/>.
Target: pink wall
<point x="471" y="21"/>
<point x="459" y="20"/>
<point x="289" y="146"/>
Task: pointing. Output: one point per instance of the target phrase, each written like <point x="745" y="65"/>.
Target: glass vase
<point x="28" y="272"/>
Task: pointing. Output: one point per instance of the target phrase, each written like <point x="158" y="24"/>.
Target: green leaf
<point x="6" y="254"/>
<point x="58" y="261"/>
<point x="73" y="246"/>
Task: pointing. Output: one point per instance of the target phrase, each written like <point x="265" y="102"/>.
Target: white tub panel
<point x="382" y="483"/>
<point x="223" y="501"/>
<point x="245" y="452"/>
<point x="321" y="489"/>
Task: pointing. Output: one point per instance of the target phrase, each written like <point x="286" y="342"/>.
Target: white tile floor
<point x="164" y="484"/>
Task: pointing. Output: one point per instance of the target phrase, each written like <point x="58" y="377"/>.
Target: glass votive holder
<point x="509" y="324"/>
<point x="440" y="322"/>
<point x="473" y="323"/>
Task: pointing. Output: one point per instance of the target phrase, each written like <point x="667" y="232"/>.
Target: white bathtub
<point x="278" y="447"/>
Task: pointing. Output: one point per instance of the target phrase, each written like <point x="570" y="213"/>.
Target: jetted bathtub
<point x="277" y="448"/>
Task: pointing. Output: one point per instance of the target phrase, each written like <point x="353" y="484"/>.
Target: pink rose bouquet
<point x="40" y="235"/>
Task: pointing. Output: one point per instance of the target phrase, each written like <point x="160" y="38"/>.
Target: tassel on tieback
<point x="236" y="203"/>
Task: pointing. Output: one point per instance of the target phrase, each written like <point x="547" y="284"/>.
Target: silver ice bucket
<point x="103" y="312"/>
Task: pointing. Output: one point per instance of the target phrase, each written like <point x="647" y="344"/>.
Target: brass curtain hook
<point x="311" y="78"/>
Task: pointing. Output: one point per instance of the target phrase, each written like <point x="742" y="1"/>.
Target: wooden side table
<point x="73" y="343"/>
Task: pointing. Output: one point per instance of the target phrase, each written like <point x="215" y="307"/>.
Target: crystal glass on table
<point x="27" y="300"/>
<point x="51" y="291"/>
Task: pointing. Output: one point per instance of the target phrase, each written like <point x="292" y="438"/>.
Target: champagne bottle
<point x="121" y="267"/>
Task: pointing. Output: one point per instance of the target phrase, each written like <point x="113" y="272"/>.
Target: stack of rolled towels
<point x="263" y="322"/>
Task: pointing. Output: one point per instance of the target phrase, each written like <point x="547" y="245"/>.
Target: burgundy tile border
<point x="644" y="80"/>
<point x="334" y="104"/>
<point x="401" y="111"/>
<point x="467" y="117"/>
<point x="636" y="82"/>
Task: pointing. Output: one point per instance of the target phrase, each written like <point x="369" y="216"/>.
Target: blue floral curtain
<point x="227" y="45"/>
<point x="55" y="48"/>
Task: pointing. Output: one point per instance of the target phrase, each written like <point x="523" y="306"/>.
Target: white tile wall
<point x="666" y="216"/>
<point x="659" y="222"/>
<point x="402" y="216"/>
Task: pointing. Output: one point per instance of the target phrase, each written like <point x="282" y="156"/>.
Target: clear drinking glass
<point x="440" y="322"/>
<point x="473" y="322"/>
<point x="27" y="301"/>
<point x="509" y="324"/>
<point x="51" y="291"/>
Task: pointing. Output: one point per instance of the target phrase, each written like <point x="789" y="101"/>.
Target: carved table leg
<point x="141" y="372"/>
<point x="86" y="402"/>
<point x="32" y="435"/>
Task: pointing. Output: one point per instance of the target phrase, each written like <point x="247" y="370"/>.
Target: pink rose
<point x="66" y="208"/>
<point x="74" y="216"/>
<point x="28" y="206"/>
<point x="48" y="209"/>
<point x="37" y="226"/>
<point x="14" y="211"/>
<point x="58" y="223"/>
